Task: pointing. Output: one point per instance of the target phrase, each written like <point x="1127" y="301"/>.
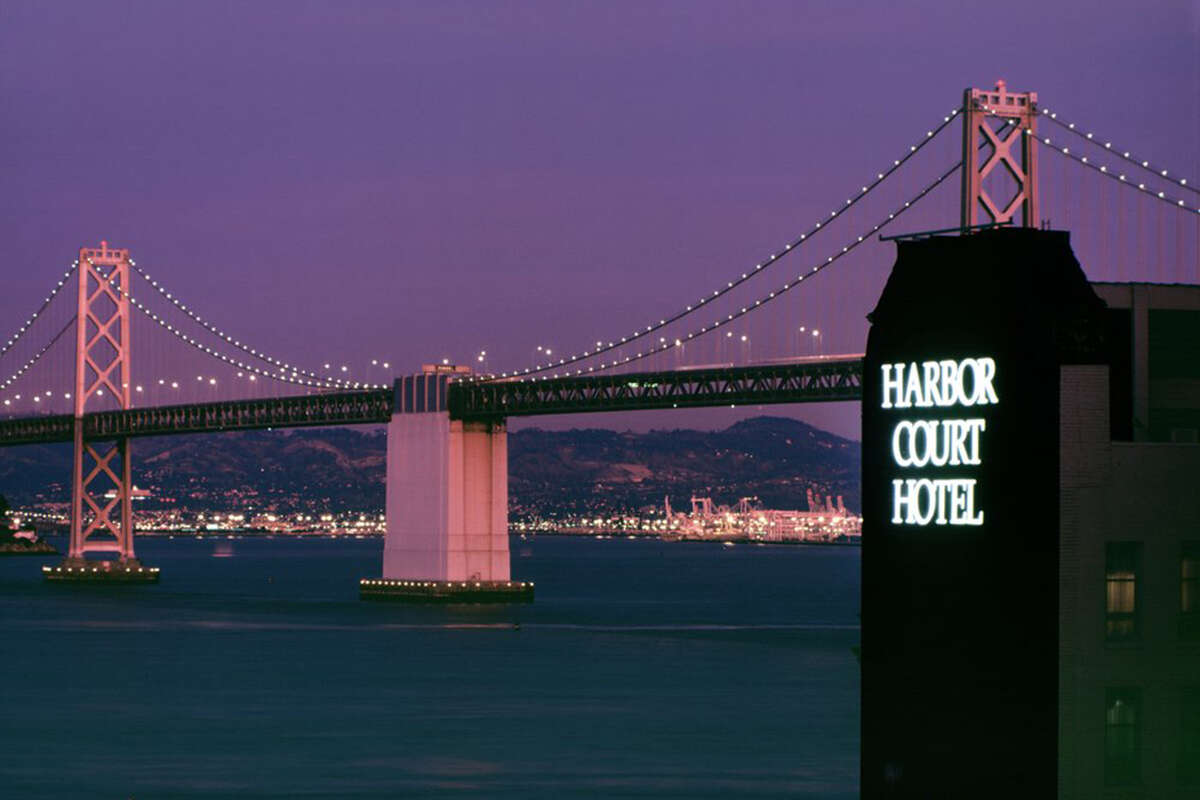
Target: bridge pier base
<point x="82" y="570"/>
<point x="447" y="505"/>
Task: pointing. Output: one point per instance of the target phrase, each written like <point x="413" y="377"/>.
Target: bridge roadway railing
<point x="803" y="381"/>
<point x="37" y="430"/>
<point x="808" y="381"/>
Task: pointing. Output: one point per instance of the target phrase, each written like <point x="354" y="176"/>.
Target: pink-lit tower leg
<point x="101" y="482"/>
<point x="1012" y="148"/>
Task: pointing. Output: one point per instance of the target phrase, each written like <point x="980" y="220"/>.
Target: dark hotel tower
<point x="960" y="592"/>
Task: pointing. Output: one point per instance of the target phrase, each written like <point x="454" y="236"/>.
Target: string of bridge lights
<point x="772" y="259"/>
<point x="295" y="377"/>
<point x="1120" y="177"/>
<point x="1123" y="154"/>
<point x="846" y="249"/>
<point x="312" y="379"/>
<point x="33" y="317"/>
<point x="192" y="342"/>
<point x="220" y="334"/>
<point x="34" y="359"/>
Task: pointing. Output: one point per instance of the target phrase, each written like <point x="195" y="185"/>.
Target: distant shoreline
<point x="617" y="534"/>
<point x="20" y="547"/>
<point x="579" y="534"/>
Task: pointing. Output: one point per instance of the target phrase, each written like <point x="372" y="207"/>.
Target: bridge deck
<point x="795" y="382"/>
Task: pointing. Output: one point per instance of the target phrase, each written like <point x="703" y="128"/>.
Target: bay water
<point x="253" y="670"/>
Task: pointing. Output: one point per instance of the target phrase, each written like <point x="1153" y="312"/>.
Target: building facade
<point x="1129" y="601"/>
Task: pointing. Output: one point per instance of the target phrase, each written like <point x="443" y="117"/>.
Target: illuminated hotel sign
<point x="962" y="431"/>
<point x="937" y="444"/>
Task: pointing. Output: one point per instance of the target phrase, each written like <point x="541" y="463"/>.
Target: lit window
<point x="1189" y="591"/>
<point x="1122" y="737"/>
<point x="1121" y="563"/>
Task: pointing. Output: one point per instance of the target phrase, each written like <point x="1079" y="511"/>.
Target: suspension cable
<point x="1126" y="155"/>
<point x="294" y="378"/>
<point x="225" y="337"/>
<point x="322" y="383"/>
<point x="847" y="248"/>
<point x="25" y="367"/>
<point x="33" y="317"/>
<point x="1119" y="177"/>
<point x="600" y="348"/>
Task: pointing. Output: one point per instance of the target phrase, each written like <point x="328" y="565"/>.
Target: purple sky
<point x="344" y="181"/>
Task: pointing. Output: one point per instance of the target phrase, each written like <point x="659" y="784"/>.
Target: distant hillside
<point x="304" y="469"/>
<point x="773" y="458"/>
<point x="334" y="469"/>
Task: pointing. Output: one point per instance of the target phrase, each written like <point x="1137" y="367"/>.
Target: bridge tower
<point x="1007" y="123"/>
<point x="101" y="480"/>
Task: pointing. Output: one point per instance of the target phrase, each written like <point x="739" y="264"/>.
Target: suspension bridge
<point x="72" y="372"/>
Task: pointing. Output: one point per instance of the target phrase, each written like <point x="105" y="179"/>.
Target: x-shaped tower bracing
<point x="1013" y="148"/>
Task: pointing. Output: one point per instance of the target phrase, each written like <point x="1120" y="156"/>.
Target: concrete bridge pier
<point x="447" y="503"/>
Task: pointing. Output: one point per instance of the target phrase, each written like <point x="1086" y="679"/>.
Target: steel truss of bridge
<point x="792" y="382"/>
<point x="343" y="408"/>
<point x="817" y="380"/>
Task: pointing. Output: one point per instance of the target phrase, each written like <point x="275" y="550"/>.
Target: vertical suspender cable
<point x="1139" y="269"/>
